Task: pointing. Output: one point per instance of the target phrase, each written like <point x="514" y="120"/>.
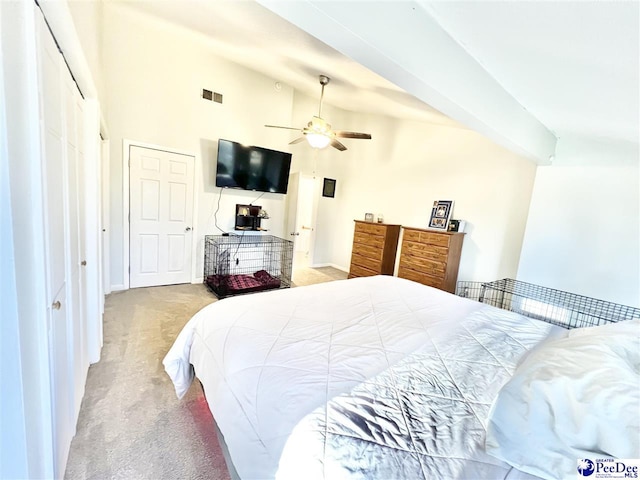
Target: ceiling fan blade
<point x="343" y="134"/>
<point x="336" y="144"/>
<point x="298" y="140"/>
<point x="278" y="126"/>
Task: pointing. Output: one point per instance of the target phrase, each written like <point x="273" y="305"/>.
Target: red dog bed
<point x="223" y="285"/>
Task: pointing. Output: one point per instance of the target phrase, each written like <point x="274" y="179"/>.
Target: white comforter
<point x="376" y="377"/>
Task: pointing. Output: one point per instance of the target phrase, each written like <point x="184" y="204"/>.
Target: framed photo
<point x="329" y="188"/>
<point x="368" y="217"/>
<point x="441" y="214"/>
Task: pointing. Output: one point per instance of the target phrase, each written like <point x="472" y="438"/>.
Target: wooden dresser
<point x="431" y="257"/>
<point x="374" y="249"/>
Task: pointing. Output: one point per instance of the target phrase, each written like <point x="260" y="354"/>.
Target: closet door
<point x="55" y="183"/>
<point x="75" y="289"/>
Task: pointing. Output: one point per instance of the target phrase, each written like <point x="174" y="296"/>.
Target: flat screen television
<point x="252" y="168"/>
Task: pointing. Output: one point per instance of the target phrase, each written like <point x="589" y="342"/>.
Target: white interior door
<point x="161" y="217"/>
<point x="292" y="206"/>
<point x="300" y="217"/>
<point x="304" y="218"/>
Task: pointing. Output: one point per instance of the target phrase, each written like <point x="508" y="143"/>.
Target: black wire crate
<point x="238" y="264"/>
<point x="566" y="309"/>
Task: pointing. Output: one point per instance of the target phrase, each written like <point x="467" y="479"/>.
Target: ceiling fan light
<point x="317" y="140"/>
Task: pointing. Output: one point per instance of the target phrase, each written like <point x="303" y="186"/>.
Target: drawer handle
<point x="56" y="305"/>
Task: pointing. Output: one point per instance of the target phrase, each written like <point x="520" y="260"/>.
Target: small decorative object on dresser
<point x="431" y="258"/>
<point x="440" y="214"/>
<point x="374" y="249"/>
<point x="368" y="217"/>
<point x="456" y="225"/>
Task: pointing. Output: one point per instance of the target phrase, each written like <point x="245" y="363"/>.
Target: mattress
<point x="375" y="377"/>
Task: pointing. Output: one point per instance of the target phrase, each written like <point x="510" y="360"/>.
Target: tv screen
<point x="252" y="168"/>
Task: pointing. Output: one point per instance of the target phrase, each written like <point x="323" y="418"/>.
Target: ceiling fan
<point x="319" y="133"/>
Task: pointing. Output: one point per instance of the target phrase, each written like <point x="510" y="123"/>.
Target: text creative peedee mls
<point x="608" y="468"/>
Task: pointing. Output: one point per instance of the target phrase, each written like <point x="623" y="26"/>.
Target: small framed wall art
<point x="441" y="214"/>
<point x="329" y="188"/>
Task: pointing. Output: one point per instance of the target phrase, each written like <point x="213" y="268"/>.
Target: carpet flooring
<point x="131" y="424"/>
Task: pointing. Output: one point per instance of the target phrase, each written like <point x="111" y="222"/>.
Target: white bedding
<point x="375" y="377"/>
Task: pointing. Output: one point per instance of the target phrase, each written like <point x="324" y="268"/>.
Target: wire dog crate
<point x="553" y="306"/>
<point x="238" y="264"/>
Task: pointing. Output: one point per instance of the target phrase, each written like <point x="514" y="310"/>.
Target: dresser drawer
<point x="372" y="252"/>
<point x="358" y="271"/>
<point x="366" y="239"/>
<point x="424" y="265"/>
<point x="366" y="262"/>
<point x="420" y="277"/>
<point x="440" y="239"/>
<point x="425" y="251"/>
<point x="371" y="229"/>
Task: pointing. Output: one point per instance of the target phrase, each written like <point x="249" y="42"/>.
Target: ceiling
<point x="572" y="66"/>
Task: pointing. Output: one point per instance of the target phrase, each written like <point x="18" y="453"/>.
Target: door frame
<point x="126" y="226"/>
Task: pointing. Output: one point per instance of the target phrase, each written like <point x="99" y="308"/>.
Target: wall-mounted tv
<point x="252" y="168"/>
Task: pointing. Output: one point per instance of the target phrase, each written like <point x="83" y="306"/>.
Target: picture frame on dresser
<point x="441" y="214"/>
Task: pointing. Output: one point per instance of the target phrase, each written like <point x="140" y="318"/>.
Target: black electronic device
<point x="252" y="168"/>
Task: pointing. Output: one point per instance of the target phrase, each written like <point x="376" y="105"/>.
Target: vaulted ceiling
<point x="521" y="72"/>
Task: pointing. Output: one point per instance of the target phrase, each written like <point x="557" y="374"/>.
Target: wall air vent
<point x="211" y="96"/>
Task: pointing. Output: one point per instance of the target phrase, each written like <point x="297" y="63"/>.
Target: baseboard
<point x="337" y="267"/>
<point x="117" y="288"/>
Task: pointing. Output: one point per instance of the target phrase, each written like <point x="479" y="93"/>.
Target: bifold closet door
<point x="62" y="122"/>
<point x="55" y="186"/>
<point x="75" y="278"/>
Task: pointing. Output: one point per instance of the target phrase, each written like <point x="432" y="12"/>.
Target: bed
<point x="381" y="377"/>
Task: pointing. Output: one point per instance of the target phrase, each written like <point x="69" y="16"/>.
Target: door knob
<point x="188" y="229"/>
<point x="83" y="263"/>
<point x="56" y="305"/>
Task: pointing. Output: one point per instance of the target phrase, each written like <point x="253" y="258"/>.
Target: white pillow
<point x="572" y="398"/>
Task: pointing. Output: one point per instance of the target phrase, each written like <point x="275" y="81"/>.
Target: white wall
<point x="87" y="18"/>
<point x="27" y="436"/>
<point x="399" y="173"/>
<point x="154" y="76"/>
<point x="583" y="233"/>
<point x="403" y="169"/>
<point x="13" y="437"/>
